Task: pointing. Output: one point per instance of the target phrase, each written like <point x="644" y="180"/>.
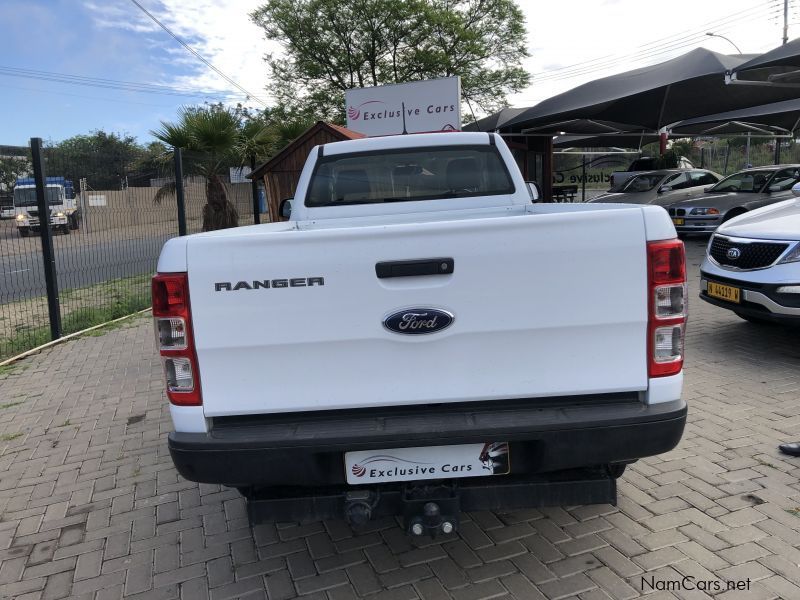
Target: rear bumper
<point x="306" y="449"/>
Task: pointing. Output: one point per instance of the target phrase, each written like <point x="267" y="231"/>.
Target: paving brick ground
<point x="91" y="507"/>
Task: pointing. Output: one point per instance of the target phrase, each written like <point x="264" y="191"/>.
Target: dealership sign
<point x="418" y="107"/>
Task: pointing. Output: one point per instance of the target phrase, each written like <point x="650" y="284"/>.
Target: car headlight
<point x="20" y="217"/>
<point x="59" y="214"/>
<point x="793" y="256"/>
<point x="704" y="211"/>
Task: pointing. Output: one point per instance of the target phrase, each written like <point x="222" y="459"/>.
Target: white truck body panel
<point x="541" y="309"/>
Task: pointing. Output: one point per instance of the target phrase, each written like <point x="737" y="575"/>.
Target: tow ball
<point x="431" y="510"/>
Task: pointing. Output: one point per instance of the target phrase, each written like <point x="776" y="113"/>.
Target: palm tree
<point x="213" y="138"/>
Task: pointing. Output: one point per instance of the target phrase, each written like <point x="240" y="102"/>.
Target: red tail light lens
<point x="667" y="307"/>
<point x="173" y="327"/>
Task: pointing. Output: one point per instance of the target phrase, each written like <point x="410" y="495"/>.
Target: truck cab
<point x="60" y="196"/>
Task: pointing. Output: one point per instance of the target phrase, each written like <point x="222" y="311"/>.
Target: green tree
<point x="104" y="159"/>
<point x="10" y="168"/>
<point x="213" y="138"/>
<point x="334" y="45"/>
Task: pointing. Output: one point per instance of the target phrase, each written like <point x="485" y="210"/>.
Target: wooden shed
<point x="282" y="172"/>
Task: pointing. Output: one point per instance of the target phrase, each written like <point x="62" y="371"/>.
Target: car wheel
<point x="754" y="320"/>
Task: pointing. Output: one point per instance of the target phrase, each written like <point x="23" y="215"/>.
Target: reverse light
<point x="793" y="256"/>
<point x="667" y="307"/>
<point x="173" y="328"/>
<point x="170" y="333"/>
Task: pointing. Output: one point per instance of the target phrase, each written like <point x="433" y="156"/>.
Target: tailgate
<point x="543" y="305"/>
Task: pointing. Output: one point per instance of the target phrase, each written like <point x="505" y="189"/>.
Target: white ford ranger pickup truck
<point x="420" y="338"/>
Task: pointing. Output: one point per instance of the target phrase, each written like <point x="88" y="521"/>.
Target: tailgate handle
<point x="414" y="268"/>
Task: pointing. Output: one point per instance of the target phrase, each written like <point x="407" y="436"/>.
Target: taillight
<point x="172" y="318"/>
<point x="667" y="307"/>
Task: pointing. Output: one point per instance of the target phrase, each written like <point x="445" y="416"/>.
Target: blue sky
<point x="112" y="39"/>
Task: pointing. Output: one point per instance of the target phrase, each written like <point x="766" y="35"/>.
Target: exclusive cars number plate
<point x="724" y="292"/>
<point x="678" y="221"/>
<point x="431" y="462"/>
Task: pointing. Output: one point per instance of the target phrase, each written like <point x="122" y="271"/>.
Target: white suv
<point x="752" y="264"/>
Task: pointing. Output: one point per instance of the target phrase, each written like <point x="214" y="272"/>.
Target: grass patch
<point x="793" y="511"/>
<point x="83" y="308"/>
<point x="9" y="404"/>
<point x="7" y="437"/>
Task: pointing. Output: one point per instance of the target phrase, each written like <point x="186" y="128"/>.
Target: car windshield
<point x="27" y="196"/>
<point x="407" y="175"/>
<point x="746" y="181"/>
<point x="643" y="183"/>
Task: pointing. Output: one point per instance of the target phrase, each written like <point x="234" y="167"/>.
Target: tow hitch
<point x="430" y="510"/>
<point x="433" y="508"/>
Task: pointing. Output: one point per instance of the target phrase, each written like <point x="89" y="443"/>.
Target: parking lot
<point x="92" y="508"/>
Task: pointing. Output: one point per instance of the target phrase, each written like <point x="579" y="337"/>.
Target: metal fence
<point x="94" y="262"/>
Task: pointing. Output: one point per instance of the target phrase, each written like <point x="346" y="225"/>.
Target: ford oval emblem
<point x="734" y="253"/>
<point x="418" y="321"/>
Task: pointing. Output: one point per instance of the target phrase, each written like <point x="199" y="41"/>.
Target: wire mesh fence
<point x="109" y="217"/>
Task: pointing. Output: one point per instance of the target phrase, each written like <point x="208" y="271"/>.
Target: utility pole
<point x="785" y="21"/>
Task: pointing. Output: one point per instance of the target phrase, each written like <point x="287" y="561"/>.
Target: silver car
<point x="752" y="264"/>
<point x="662" y="187"/>
<point x="733" y="196"/>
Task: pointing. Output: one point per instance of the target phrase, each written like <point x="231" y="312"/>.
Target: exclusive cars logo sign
<point x="436" y="462"/>
<point x="415" y="107"/>
<point x="418" y="321"/>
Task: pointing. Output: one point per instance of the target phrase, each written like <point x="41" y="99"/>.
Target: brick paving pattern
<point x="91" y="507"/>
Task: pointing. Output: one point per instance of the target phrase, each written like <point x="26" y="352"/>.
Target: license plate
<point x="724" y="292"/>
<point x="678" y="221"/>
<point x="431" y="462"/>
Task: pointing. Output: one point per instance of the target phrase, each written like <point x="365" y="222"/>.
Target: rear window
<point x="407" y="175"/>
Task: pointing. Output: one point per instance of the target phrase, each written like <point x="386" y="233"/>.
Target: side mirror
<point x="707" y="189"/>
<point x="796" y="189"/>
<point x="285" y="208"/>
<point x="664" y="188"/>
<point x="535" y="190"/>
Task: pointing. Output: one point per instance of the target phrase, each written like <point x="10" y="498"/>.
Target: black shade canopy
<point x="781" y="65"/>
<point x="584" y="127"/>
<point x="494" y="121"/>
<point x="778" y="118"/>
<point x="653" y="97"/>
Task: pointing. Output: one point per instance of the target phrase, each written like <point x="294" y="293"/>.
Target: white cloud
<point x="598" y="38"/>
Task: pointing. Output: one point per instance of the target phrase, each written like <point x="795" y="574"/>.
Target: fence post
<point x="48" y="257"/>
<point x="727" y="154"/>
<point x="179" y="194"/>
<point x="777" y="150"/>
<point x="583" y="178"/>
<point x="702" y="158"/>
<point x="254" y="191"/>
